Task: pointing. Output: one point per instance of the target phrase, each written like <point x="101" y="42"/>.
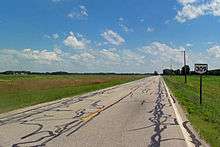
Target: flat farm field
<point x="18" y="91"/>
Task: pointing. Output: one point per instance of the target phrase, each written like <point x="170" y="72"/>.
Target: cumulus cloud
<point x="150" y="29"/>
<point x="113" y="37"/>
<point x="41" y="55"/>
<point x="189" y="45"/>
<point x="80" y="12"/>
<point x="192" y="9"/>
<point x="73" y="42"/>
<point x="124" y="25"/>
<point x="190" y="12"/>
<point x="37" y="55"/>
<point x="163" y="53"/>
<point x="186" y="1"/>
<point x="55" y="36"/>
<point x="29" y="59"/>
<point x="167" y="21"/>
<point x="52" y="36"/>
<point x="154" y="56"/>
<point x="214" y="51"/>
<point x="132" y="58"/>
<point x="109" y="55"/>
<point x="83" y="57"/>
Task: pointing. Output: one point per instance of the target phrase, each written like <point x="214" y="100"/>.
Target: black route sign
<point x="201" y="68"/>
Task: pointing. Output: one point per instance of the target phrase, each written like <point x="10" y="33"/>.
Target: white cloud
<point x="109" y="55"/>
<point x="153" y="56"/>
<point x="37" y="55"/>
<point x="141" y="20"/>
<point x="79" y="13"/>
<point x="47" y="36"/>
<point x="186" y="1"/>
<point x="210" y="42"/>
<point x="73" y="42"/>
<point x="189" y="45"/>
<point x="190" y="12"/>
<point x="41" y="55"/>
<point x="58" y="50"/>
<point x="167" y="21"/>
<point x="124" y="26"/>
<point x="214" y="51"/>
<point x="150" y="29"/>
<point x="113" y="37"/>
<point x="194" y="9"/>
<point x="163" y="52"/>
<point x="132" y="58"/>
<point x="55" y="36"/>
<point x="83" y="57"/>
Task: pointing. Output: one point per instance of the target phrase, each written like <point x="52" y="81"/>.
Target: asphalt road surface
<point x="136" y="114"/>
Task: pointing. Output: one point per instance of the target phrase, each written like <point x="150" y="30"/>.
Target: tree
<point x="155" y="73"/>
<point x="187" y="70"/>
<point x="177" y="72"/>
<point x="168" y="72"/>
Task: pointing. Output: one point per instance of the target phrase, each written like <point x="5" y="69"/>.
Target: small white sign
<point x="201" y="68"/>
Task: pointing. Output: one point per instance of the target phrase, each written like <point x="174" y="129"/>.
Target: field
<point x="18" y="91"/>
<point x="205" y="118"/>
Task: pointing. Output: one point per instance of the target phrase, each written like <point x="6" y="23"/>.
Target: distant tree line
<point x="67" y="73"/>
<point x="177" y="71"/>
<point x="188" y="72"/>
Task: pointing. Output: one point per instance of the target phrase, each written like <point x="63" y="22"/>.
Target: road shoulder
<point x="190" y="134"/>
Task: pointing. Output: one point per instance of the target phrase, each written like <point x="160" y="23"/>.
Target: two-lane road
<point x="135" y="114"/>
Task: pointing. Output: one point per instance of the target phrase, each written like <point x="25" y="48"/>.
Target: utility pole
<point x="184" y="52"/>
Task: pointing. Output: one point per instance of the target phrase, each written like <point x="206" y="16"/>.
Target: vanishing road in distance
<point x="136" y="114"/>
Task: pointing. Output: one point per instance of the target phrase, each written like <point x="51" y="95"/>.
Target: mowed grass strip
<point x="205" y="118"/>
<point x="17" y="91"/>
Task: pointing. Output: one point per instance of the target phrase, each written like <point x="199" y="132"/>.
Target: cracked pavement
<point x="135" y="114"/>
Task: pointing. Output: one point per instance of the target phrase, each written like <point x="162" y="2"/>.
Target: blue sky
<point x="108" y="36"/>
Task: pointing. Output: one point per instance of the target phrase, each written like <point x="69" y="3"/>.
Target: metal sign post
<point x="201" y="69"/>
<point x="200" y="97"/>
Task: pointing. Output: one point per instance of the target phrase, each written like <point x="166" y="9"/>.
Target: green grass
<point x="206" y="117"/>
<point x="17" y="91"/>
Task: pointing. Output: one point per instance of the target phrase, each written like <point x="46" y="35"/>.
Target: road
<point x="136" y="114"/>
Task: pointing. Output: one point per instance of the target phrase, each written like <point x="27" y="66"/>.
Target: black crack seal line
<point x="76" y="124"/>
<point x="156" y="119"/>
<point x="107" y="107"/>
<point x="18" y="117"/>
<point x="195" y="141"/>
<point x="159" y="119"/>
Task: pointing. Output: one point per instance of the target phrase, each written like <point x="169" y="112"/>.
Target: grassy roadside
<point x="22" y="91"/>
<point x="205" y="118"/>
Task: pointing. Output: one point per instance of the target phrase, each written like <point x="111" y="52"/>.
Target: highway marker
<point x="201" y="69"/>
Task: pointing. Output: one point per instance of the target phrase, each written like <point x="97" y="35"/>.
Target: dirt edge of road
<point x="191" y="133"/>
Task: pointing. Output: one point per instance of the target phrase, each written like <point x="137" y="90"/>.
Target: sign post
<point x="200" y="97"/>
<point x="201" y="69"/>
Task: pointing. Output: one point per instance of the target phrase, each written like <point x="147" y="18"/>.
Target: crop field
<point x="18" y="91"/>
<point x="206" y="117"/>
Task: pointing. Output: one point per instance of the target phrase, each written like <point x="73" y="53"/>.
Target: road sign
<point x="201" y="68"/>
